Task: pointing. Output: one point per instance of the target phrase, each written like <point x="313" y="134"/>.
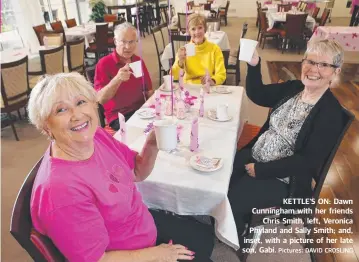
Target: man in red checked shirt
<point x="118" y="89"/>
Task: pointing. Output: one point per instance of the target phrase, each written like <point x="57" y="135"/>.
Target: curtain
<point x="28" y="15"/>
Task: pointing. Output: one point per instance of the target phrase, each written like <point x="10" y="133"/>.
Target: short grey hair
<point x="329" y="48"/>
<point x="46" y="92"/>
<point x="121" y="28"/>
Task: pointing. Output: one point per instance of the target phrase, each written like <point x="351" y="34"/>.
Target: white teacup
<point x="168" y="80"/>
<point x="190" y="49"/>
<point x="136" y="68"/>
<point x="166" y="134"/>
<point x="246" y="49"/>
<point x="222" y="112"/>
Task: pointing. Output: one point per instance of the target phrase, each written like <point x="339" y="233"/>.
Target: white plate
<point x="194" y="165"/>
<point x="213" y="116"/>
<point x="146" y="113"/>
<point x="175" y="87"/>
<point x="222" y="90"/>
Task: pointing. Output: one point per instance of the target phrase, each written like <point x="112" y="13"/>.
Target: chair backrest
<point x="52" y="60"/>
<point x="324" y="17"/>
<point x="14" y="84"/>
<point x="259" y="4"/>
<point x="90" y="75"/>
<point x="354" y="20"/>
<point x="38" y="30"/>
<point x="182" y="22"/>
<point x="284" y="7"/>
<point x="159" y="40"/>
<point x="263" y="21"/>
<point x="207" y="6"/>
<point x="303" y="7"/>
<point x="295" y="25"/>
<point x="75" y="55"/>
<point x="348" y="118"/>
<point x="178" y="41"/>
<point x="165" y="33"/>
<point x="315" y="12"/>
<point x="39" y="247"/>
<point x="101" y="38"/>
<point x="110" y="18"/>
<point x="57" y="26"/>
<point x="117" y="22"/>
<point x="227" y="7"/>
<point x="52" y="39"/>
<point x="71" y="23"/>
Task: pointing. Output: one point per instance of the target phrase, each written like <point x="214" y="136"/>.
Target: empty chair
<point x="14" y="88"/>
<point x="315" y="12"/>
<point x="110" y="18"/>
<point x="38" y="30"/>
<point x="354" y="21"/>
<point x="223" y="12"/>
<point x="100" y="47"/>
<point x="71" y="23"/>
<point x="57" y="26"/>
<point x="324" y="17"/>
<point x="75" y="55"/>
<point x="264" y="32"/>
<point x="284" y="7"/>
<point x="182" y="22"/>
<point x="294" y="30"/>
<point x="160" y="46"/>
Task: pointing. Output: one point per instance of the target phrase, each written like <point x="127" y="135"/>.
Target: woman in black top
<point x="299" y="134"/>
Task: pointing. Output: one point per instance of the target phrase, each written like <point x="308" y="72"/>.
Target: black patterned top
<point x="285" y="123"/>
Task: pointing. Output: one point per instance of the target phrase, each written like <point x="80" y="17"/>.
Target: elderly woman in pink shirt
<point x="84" y="197"/>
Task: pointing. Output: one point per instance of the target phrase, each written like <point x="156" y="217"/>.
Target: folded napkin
<point x="201" y="107"/>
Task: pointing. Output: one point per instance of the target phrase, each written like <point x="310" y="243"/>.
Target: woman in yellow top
<point x="208" y="56"/>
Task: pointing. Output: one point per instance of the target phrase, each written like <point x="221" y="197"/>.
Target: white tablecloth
<point x="282" y="18"/>
<point x="34" y="63"/>
<point x="174" y="186"/>
<point x="272" y="8"/>
<point x="87" y="31"/>
<point x="220" y="38"/>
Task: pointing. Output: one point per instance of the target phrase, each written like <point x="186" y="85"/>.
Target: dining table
<point x="217" y="37"/>
<point x="346" y="36"/>
<point x="174" y="185"/>
<point x="281" y="17"/>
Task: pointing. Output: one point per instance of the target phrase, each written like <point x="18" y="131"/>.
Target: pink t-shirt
<point x="92" y="206"/>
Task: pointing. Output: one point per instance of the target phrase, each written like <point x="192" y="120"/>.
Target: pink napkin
<point x="180" y="80"/>
<point x="208" y="82"/>
<point x="158" y="104"/>
<point x="180" y="109"/>
<point x="201" y="107"/>
<point x="194" y="135"/>
<point x="122" y="130"/>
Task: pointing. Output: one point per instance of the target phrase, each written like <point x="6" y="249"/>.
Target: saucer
<point x="222" y="90"/>
<point x="212" y="114"/>
<point x="175" y="87"/>
<point x="205" y="164"/>
<point x="146" y="113"/>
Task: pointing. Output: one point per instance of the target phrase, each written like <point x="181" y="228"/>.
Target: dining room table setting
<point x="197" y="128"/>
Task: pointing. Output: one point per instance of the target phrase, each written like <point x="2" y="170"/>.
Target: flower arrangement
<point x="98" y="8"/>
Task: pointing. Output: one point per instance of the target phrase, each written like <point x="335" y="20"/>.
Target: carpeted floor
<point x="18" y="157"/>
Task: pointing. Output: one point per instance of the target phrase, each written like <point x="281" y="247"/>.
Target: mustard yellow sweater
<point x="208" y="56"/>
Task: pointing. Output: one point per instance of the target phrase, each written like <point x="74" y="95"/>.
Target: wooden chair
<point x="223" y="12"/>
<point x="207" y="6"/>
<point x="100" y="47"/>
<point x="71" y="23"/>
<point x="38" y="30"/>
<point x="165" y="34"/>
<point x="259" y="6"/>
<point x="285" y="7"/>
<point x="52" y="39"/>
<point x="315" y="12"/>
<point x="58" y="28"/>
<point x="231" y="61"/>
<point x="52" y="62"/>
<point x="182" y="22"/>
<point x="318" y="181"/>
<point x="354" y="20"/>
<point x="160" y="46"/>
<point x="14" y="88"/>
<point x="110" y="18"/>
<point x="38" y="246"/>
<point x="323" y="19"/>
<point x="75" y="55"/>
<point x="294" y="31"/>
<point x="303" y="7"/>
<point x="264" y="32"/>
<point x="177" y="41"/>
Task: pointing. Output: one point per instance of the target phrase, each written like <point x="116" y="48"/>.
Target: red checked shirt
<point x="129" y="96"/>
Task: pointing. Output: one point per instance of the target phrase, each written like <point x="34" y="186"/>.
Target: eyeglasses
<point x="124" y="42"/>
<point x="320" y="66"/>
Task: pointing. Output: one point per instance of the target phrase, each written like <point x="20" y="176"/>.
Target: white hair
<point x="329" y="48"/>
<point x="122" y="28"/>
<point x="47" y="91"/>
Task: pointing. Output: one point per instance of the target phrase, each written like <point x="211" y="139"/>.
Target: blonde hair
<point x="47" y="91"/>
<point x="329" y="48"/>
<point x="195" y="20"/>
